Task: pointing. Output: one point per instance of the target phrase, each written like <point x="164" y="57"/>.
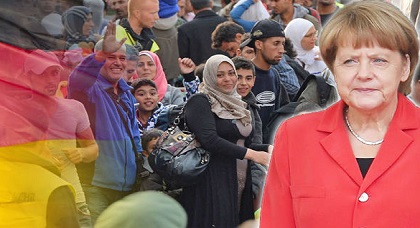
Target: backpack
<point x="300" y="72"/>
<point x="288" y="110"/>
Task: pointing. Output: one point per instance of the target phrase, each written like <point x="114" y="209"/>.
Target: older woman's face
<point x="226" y="78"/>
<point x="309" y="39"/>
<point x="368" y="77"/>
<point x="146" y="67"/>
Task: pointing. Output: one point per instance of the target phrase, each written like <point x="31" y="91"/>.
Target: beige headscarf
<point x="225" y="106"/>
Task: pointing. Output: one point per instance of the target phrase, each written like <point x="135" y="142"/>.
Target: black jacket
<point x="194" y="37"/>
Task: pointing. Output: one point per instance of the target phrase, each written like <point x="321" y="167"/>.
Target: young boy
<point x="148" y="143"/>
<point x="153" y="181"/>
<point x="149" y="108"/>
<point x="246" y="79"/>
<point x="245" y="51"/>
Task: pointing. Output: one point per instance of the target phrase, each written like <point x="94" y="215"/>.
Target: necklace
<point x="370" y="143"/>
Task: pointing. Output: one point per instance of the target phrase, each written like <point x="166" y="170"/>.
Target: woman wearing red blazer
<point x="356" y="164"/>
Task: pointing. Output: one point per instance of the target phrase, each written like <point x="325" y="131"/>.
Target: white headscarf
<point x="296" y="31"/>
<point x="225" y="106"/>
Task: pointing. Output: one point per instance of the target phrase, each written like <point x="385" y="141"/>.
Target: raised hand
<point x="186" y="65"/>
<point x="110" y="42"/>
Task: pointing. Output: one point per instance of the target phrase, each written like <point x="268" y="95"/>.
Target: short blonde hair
<point x="366" y="22"/>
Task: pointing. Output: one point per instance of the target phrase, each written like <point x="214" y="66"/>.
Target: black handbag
<point x="178" y="157"/>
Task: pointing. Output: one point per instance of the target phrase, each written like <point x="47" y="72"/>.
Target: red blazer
<point x="314" y="179"/>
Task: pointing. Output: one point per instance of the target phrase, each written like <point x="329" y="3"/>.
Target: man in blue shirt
<point x="98" y="83"/>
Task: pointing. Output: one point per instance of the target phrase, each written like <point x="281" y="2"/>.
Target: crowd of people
<point x="89" y="87"/>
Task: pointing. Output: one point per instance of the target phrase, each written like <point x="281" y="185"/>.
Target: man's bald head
<point x="139" y="4"/>
<point x="143" y="13"/>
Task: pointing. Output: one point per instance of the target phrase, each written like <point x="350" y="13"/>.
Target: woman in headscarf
<point x="149" y="67"/>
<point x="303" y="35"/>
<point x="223" y="126"/>
<point x="78" y="25"/>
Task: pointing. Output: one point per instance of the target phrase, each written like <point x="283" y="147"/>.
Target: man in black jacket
<point x="194" y="37"/>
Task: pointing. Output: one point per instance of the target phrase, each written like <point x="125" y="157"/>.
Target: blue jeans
<point x="98" y="199"/>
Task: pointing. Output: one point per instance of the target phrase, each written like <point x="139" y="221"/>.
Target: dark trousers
<point x="98" y="199"/>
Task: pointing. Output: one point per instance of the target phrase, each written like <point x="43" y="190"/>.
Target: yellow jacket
<point x="122" y="33"/>
<point x="25" y="187"/>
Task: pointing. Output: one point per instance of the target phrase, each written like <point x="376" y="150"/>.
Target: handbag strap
<point x="116" y="100"/>
<point x="177" y="119"/>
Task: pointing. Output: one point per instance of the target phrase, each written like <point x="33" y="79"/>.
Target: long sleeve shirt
<point x="115" y="167"/>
